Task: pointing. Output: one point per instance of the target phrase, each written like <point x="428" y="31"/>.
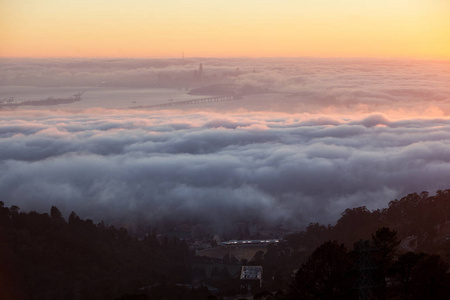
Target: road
<point x="409" y="244"/>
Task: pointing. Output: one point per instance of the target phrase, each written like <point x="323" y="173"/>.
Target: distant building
<point x="251" y="277"/>
<point x="249" y="243"/>
<point x="217" y="239"/>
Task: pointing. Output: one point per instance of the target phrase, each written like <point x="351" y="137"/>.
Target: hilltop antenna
<point x="365" y="266"/>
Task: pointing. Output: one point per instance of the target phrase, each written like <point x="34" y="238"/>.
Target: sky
<point x="418" y="29"/>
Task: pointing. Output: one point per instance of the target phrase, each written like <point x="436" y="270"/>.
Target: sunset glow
<point x="324" y="28"/>
<point x="209" y="149"/>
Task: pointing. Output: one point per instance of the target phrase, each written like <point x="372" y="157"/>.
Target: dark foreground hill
<point x="43" y="256"/>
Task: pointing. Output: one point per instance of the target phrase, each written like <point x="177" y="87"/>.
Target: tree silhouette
<point x="428" y="278"/>
<point x="324" y="275"/>
<point x="405" y="265"/>
<point x="354" y="224"/>
<point x="384" y="242"/>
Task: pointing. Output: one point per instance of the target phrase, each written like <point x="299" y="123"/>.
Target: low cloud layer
<point x="283" y="168"/>
<point x="310" y="138"/>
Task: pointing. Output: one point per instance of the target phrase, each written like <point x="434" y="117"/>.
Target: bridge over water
<point x="193" y="101"/>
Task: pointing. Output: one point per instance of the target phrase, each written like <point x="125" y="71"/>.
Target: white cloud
<point x="144" y="163"/>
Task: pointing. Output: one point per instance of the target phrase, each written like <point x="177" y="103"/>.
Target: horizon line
<point x="400" y="58"/>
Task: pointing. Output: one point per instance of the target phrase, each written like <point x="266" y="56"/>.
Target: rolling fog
<point x="308" y="139"/>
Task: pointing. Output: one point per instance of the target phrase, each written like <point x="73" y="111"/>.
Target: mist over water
<point x="308" y="139"/>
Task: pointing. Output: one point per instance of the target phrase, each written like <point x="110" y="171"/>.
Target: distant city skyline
<point x="415" y="29"/>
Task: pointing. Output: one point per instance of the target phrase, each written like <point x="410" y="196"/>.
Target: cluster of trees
<point x="415" y="214"/>
<point x="373" y="269"/>
<point x="419" y="215"/>
<point x="44" y="256"/>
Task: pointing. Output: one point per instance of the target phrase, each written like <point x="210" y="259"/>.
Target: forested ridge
<point x="330" y="258"/>
<point x="43" y="256"/>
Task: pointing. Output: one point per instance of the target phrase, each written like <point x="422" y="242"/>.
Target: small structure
<point x="240" y="243"/>
<point x="251" y="277"/>
<point x="216" y="239"/>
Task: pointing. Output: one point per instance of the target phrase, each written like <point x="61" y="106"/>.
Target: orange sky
<point x="141" y="28"/>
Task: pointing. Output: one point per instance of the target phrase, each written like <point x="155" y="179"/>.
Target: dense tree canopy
<point x="46" y="257"/>
<point x="43" y="256"/>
